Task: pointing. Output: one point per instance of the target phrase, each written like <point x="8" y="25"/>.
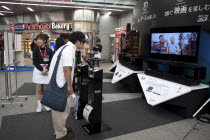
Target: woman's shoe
<point x="39" y="108"/>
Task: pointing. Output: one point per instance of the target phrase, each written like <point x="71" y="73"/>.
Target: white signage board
<point x="114" y="65"/>
<point x="8" y="48"/>
<point x="157" y="90"/>
<point x="121" y="72"/>
<point x="18" y="42"/>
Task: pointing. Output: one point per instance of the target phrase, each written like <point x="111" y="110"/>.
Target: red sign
<point x="37" y="26"/>
<point x="59" y="0"/>
<point x="11" y="27"/>
<point x="117" y="43"/>
<point x="118" y="33"/>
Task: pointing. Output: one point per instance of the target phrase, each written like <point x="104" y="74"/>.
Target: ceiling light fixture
<point x="6" y="12"/>
<point x="30" y="9"/>
<point x="111" y="9"/>
<point x="5" y="7"/>
<point x="1" y="14"/>
<point x="99" y="9"/>
<point x="107" y="14"/>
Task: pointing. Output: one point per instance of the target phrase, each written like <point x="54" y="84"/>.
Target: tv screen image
<point x="183" y="43"/>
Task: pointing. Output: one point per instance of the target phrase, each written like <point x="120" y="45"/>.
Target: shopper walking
<point x="33" y="46"/>
<point x="42" y="56"/>
<point x="97" y="50"/>
<point x="64" y="75"/>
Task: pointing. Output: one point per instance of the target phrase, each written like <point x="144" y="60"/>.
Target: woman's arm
<point x="36" y="60"/>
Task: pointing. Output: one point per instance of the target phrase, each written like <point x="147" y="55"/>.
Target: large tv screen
<point x="175" y="43"/>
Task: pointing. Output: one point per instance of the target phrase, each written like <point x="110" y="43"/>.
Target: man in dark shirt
<point x="1" y="51"/>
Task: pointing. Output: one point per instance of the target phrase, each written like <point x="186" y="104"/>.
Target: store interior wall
<point x="107" y="25"/>
<point x="126" y="18"/>
<point x="157" y="10"/>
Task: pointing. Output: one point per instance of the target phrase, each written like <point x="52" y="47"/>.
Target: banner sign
<point x="11" y="27"/>
<point x="19" y="27"/>
<point x="47" y="26"/>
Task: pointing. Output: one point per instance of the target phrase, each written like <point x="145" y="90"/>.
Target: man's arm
<point x="67" y="74"/>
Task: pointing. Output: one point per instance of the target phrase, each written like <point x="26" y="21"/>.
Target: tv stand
<point x="182" y="73"/>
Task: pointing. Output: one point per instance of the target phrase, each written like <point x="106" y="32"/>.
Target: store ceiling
<point x="19" y="7"/>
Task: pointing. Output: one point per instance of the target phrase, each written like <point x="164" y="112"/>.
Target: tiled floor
<point x="173" y="131"/>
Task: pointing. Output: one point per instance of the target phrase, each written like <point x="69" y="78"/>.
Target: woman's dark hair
<point x="98" y="40"/>
<point x="64" y="36"/>
<point x="77" y="36"/>
<point x="42" y="36"/>
<point x="58" y="43"/>
<point x="46" y="37"/>
<point x="33" y="44"/>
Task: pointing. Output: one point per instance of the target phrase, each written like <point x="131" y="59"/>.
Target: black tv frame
<point x="171" y="57"/>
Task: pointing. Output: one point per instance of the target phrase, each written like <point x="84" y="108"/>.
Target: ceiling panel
<point x="19" y="7"/>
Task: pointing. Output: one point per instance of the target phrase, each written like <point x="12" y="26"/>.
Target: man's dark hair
<point x="77" y="36"/>
<point x="160" y="36"/>
<point x="64" y="36"/>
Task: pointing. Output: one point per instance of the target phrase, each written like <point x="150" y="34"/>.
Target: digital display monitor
<point x="175" y="43"/>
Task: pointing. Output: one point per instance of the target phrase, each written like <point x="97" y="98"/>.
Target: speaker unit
<point x="128" y="27"/>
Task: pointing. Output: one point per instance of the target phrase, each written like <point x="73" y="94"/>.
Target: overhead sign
<point x="37" y="26"/>
<point x="19" y="27"/>
<point x="63" y="26"/>
<point x="59" y="0"/>
<point x="11" y="27"/>
<point x="48" y="26"/>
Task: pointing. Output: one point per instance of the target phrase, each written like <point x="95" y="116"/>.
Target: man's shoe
<point x="47" y="108"/>
<point x="69" y="129"/>
<point x="69" y="135"/>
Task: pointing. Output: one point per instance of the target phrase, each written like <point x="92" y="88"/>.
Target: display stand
<point x="81" y="90"/>
<point x="92" y="112"/>
<point x="122" y="72"/>
<point x="182" y="99"/>
<point x="183" y="73"/>
<point x="8" y="57"/>
<point x="113" y="67"/>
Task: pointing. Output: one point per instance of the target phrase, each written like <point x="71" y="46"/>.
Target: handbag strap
<point x="56" y="65"/>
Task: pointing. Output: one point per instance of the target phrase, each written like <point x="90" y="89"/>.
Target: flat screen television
<point x="175" y="43"/>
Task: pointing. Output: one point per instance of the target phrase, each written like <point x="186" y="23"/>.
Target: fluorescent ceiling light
<point x="107" y="14"/>
<point x="5" y="7"/>
<point x="30" y="9"/>
<point x="6" y="12"/>
<point x="36" y="4"/>
<point x="111" y="9"/>
<point x="1" y="14"/>
<point x="94" y="8"/>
